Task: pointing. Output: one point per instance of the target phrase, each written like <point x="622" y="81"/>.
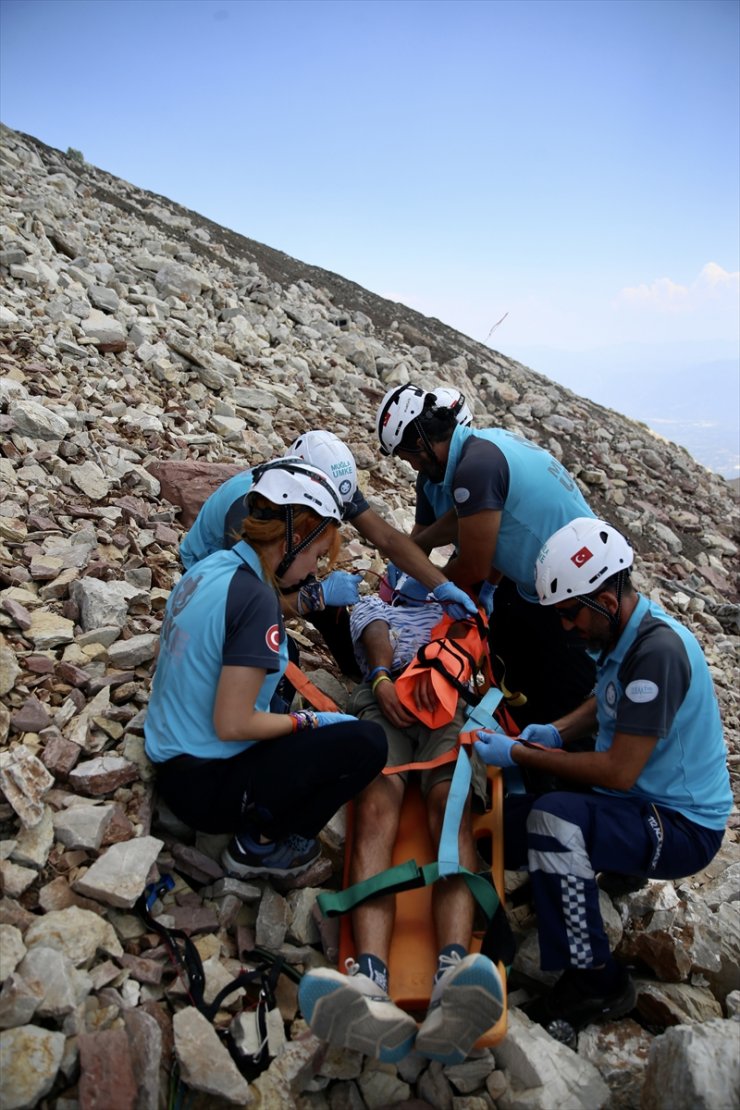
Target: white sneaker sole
<point x="470" y="1004"/>
<point x="340" y="1014"/>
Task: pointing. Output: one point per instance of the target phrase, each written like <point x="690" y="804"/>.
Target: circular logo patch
<point x="461" y="494"/>
<point x="273" y="638"/>
<point x="642" y="690"/>
<point x="610" y="695"/>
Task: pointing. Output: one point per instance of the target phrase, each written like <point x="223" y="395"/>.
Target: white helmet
<point x="448" y="398"/>
<point x="291" y="481"/>
<point x="326" y="451"/>
<point x="399" y="408"/>
<point x="579" y="558"/>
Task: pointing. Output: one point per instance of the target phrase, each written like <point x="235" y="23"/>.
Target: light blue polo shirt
<point x="212" y="530"/>
<point x="221" y="613"/>
<point x="219" y="522"/>
<point x="656" y="682"/>
<point x="495" y="469"/>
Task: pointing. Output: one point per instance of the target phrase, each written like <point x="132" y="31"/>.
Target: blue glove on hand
<point x="545" y="735"/>
<point x="456" y="602"/>
<point x="341" y="588"/>
<point x="485" y="597"/>
<point x="333" y="718"/>
<point x="494" y="748"/>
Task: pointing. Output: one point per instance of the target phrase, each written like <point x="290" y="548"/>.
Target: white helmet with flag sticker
<point x="579" y="558"/>
<point x="326" y="451"/>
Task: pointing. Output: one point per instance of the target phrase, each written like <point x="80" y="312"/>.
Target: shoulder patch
<point x="461" y="494"/>
<point x="272" y="638"/>
<point x="641" y="690"/>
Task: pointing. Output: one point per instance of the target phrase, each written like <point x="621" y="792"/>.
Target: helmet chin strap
<point x="292" y="551"/>
<point x="613" y="618"/>
<point x="428" y="447"/>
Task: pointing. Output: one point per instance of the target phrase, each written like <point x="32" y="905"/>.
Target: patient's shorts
<point x="419" y="743"/>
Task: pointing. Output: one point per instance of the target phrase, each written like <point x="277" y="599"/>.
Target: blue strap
<point x="409" y="875"/>
<point x="448" y="856"/>
<point x="481" y="715"/>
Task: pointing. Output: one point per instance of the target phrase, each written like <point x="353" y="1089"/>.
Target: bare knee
<point x="377" y="810"/>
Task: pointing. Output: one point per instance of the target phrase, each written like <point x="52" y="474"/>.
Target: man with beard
<point x="497" y="497"/>
<point x="651" y="800"/>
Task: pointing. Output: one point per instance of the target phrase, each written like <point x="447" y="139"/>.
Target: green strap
<point x="404" y="876"/>
<point x="408" y="875"/>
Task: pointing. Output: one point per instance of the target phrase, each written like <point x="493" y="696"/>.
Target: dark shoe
<point x="567" y="1004"/>
<point x="247" y="859"/>
<point x="614" y="884"/>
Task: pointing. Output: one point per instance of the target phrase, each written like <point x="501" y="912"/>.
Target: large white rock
<point x="205" y="1063"/>
<point x="119" y="876"/>
<point x="694" y="1067"/>
<point x="29" y="1062"/>
<point x="543" y="1073"/>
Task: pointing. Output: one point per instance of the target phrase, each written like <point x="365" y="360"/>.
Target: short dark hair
<point x="612" y="583"/>
<point x="438" y="423"/>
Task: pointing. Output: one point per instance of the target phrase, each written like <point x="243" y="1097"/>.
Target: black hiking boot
<point x="614" y="883"/>
<point x="567" y="1008"/>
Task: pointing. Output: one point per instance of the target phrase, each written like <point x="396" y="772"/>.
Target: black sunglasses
<point x="570" y="612"/>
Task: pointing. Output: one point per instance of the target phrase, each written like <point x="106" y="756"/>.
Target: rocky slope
<point x="135" y="335"/>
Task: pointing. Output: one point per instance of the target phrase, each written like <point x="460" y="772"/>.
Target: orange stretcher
<point x="413" y="953"/>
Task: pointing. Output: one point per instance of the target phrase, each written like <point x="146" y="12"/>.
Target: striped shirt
<point x="408" y="628"/>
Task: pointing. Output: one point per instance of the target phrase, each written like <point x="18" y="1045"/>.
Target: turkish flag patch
<point x="581" y="556"/>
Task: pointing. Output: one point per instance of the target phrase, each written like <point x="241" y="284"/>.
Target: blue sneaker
<point x="352" y="1011"/>
<point x="466" y="1001"/>
<point x="246" y="859"/>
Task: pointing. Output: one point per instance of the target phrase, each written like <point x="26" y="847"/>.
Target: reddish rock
<point x="165" y="535"/>
<point x="103" y="775"/>
<point x="68" y="672"/>
<point x="119" y="828"/>
<point x="143" y="970"/>
<point x="715" y="578"/>
<point x="18" y="612"/>
<point x="59" y="754"/>
<point x="31" y="717"/>
<point x="39" y="664"/>
<point x="194" y="919"/>
<point x="106" y="1071"/>
<point x="58" y="895"/>
<point x="113" y="347"/>
<point x="134" y="509"/>
<point x="194" y="864"/>
<point x="188" y="483"/>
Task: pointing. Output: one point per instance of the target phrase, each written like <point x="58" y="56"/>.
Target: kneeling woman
<point x="225" y="763"/>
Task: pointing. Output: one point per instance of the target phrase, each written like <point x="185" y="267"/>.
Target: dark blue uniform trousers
<point x="565" y="838"/>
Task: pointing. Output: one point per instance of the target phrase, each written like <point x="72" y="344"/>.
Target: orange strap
<point x="320" y="701"/>
<point x="465" y="739"/>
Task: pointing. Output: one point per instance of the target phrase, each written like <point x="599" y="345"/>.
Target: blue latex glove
<point x="494" y="748"/>
<point x="485" y="597"/>
<point x="341" y="588"/>
<point x="333" y="718"/>
<point x="456" y="602"/>
<point x="546" y="735"/>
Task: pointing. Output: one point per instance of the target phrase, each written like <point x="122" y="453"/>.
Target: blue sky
<point x="573" y="163"/>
